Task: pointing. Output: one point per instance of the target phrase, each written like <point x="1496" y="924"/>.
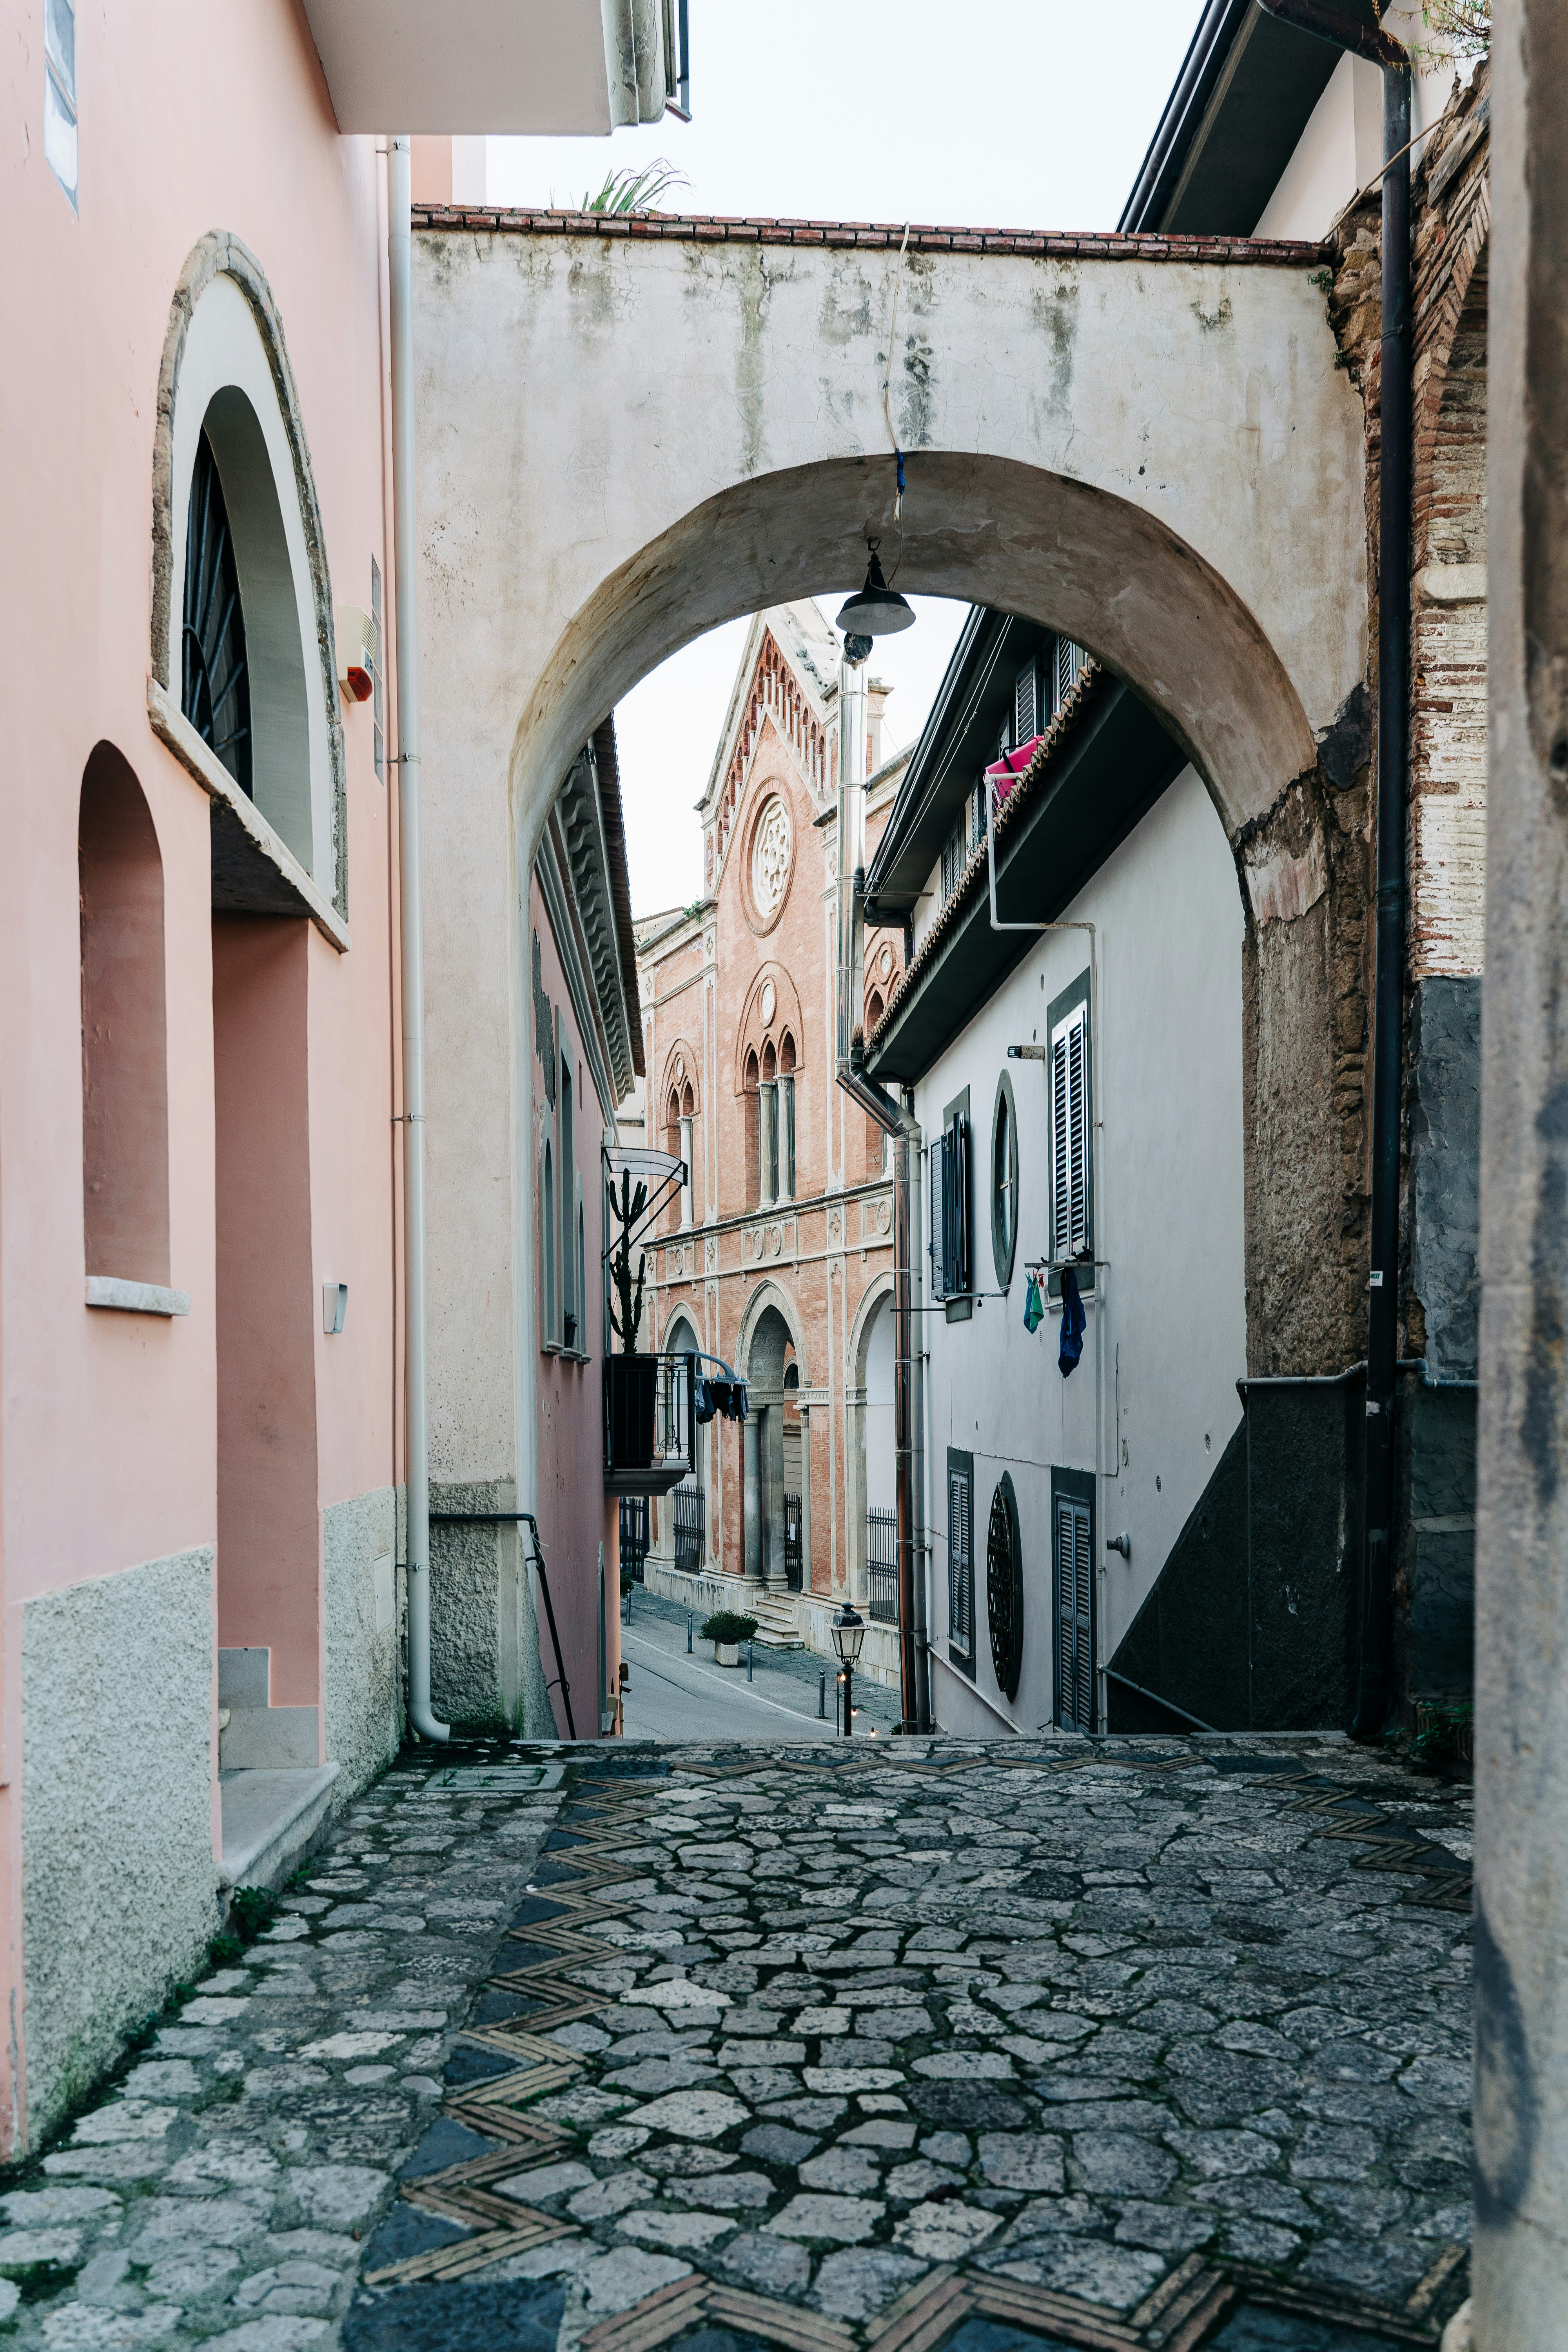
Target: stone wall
<point x="364" y="1601"/>
<point x="118" y="1886"/>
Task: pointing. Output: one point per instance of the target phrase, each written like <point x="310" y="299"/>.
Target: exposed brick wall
<point x="1450" y="222"/>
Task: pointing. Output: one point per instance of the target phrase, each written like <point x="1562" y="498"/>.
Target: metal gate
<point x="793" y="1553"/>
<point x="882" y="1566"/>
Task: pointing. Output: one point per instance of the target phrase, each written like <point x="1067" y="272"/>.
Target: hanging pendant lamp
<point x="878" y="611"/>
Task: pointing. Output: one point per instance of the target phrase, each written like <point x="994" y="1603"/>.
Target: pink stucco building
<point x="202" y="1454"/>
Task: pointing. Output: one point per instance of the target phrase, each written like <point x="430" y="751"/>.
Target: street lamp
<point x="848" y="1633"/>
<point x="878" y="611"/>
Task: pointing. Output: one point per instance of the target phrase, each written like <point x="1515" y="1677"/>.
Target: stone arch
<point x="1100" y="570"/>
<point x="226" y="357"/>
<point x="770" y="1295"/>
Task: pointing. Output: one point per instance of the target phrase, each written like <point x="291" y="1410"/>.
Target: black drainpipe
<point x="1392" y="773"/>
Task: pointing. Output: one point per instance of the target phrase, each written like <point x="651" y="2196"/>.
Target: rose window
<point x="770" y="858"/>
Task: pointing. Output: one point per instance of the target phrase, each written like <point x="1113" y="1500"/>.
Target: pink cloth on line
<point x="1005" y="772"/>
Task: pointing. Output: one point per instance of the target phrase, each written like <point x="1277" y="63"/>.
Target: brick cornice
<point x="873" y="237"/>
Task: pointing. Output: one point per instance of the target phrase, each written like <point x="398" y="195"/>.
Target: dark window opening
<point x="214" y="681"/>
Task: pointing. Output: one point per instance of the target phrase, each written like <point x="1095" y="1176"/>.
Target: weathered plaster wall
<point x="1056" y="467"/>
<point x="119" y="1889"/>
<point x="362" y="1603"/>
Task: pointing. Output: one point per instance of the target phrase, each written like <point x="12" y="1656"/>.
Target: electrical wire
<point x="886" y="402"/>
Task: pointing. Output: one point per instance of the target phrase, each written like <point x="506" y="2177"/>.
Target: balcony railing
<point x="647" y="1423"/>
<point x="882" y="1566"/>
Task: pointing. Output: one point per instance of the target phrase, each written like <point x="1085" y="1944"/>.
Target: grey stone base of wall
<point x="710" y="1590"/>
<point x="485" y="1670"/>
<point x="118" y="1891"/>
<point x="365" y="1605"/>
<point x="1252" y="1622"/>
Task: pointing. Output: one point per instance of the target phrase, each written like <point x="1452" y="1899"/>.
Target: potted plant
<point x="726" y="1630"/>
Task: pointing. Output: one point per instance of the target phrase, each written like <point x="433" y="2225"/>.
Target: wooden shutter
<point x="955" y="1207"/>
<point x="960" y="1563"/>
<point x="937" y="1188"/>
<point x="1026" y="703"/>
<point x="1074" y="1614"/>
<point x="1070" y="661"/>
<point x="1071" y="1226"/>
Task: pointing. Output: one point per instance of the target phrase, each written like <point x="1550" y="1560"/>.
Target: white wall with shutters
<point x="1161" y="1118"/>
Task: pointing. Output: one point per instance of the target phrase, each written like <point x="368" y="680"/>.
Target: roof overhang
<point x="1112" y="767"/>
<point x="1246" y="88"/>
<point x="956" y="743"/>
<point x="554" y="67"/>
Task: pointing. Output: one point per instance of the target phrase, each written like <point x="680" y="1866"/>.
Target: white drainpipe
<point x="400" y="254"/>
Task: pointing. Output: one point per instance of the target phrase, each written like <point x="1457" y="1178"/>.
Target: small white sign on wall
<point x="386" y="1594"/>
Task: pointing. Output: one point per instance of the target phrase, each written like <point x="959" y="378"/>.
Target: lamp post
<point x="848" y="1633"/>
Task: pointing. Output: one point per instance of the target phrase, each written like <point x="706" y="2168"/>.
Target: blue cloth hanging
<point x="1071" y="1346"/>
<point x="1034" y="1307"/>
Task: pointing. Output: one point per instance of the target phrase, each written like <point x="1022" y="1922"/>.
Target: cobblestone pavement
<point x="1138" y="2043"/>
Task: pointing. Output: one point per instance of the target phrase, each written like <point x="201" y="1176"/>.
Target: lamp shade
<point x="878" y="611"/>
<point x="848" y="1633"/>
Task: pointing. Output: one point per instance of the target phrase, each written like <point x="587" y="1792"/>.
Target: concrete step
<point x="270" y="1821"/>
<point x="253" y="1735"/>
<point x="777" y="1628"/>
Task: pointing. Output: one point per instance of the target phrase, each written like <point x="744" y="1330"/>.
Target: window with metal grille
<point x="960" y="1560"/>
<point x="1072" y="1576"/>
<point x="1073" y="1222"/>
<point x="214" y="678"/>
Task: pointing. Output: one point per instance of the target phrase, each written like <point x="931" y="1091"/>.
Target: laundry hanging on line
<point x="1073" y="1320"/>
<point x="1033" y="1306"/>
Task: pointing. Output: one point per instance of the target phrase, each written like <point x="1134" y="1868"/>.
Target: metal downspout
<point x="400" y="256"/>
<point x="1392" y="788"/>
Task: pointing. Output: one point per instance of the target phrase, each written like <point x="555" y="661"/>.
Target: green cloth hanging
<point x="1033" y="1306"/>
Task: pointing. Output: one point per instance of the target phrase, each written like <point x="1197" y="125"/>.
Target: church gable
<point x="778" y="693"/>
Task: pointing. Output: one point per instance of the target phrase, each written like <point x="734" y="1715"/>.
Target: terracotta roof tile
<point x="718" y="228"/>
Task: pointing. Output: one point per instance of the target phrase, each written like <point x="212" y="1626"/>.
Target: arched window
<point x="243" y="652"/>
<point x="124" y="1061"/>
<point x="1003" y="1182"/>
<point x="753" y="1095"/>
<point x="547" y="1242"/>
<point x="687" y="1147"/>
<point x="786" y="1112"/>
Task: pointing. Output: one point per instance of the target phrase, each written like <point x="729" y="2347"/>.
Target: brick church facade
<point x="778" y="1256"/>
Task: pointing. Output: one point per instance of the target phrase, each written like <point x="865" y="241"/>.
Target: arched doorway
<point x="769" y="1355"/>
<point x="687" y="1502"/>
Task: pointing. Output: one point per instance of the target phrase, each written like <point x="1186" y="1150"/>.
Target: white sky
<point x="1009" y="114"/>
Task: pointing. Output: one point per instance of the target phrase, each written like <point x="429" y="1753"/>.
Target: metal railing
<point x="882" y="1566"/>
<point x="647" y="1423"/>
